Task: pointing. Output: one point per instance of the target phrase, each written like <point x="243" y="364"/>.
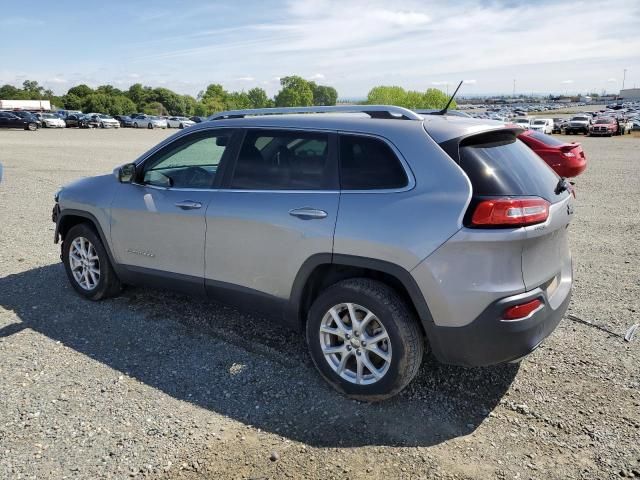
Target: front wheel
<point x="87" y="264"/>
<point x="181" y="126"/>
<point x="363" y="339"/>
<point x="150" y="126"/>
<point x="31" y="127"/>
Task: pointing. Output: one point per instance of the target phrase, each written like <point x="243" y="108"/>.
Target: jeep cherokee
<point x="372" y="229"/>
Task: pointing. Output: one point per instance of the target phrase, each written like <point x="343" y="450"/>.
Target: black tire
<point x="101" y="125"/>
<point x="181" y="126"/>
<point x="108" y="284"/>
<point x="150" y="126"/>
<point x="405" y="336"/>
<point x="31" y="126"/>
<point x="135" y="125"/>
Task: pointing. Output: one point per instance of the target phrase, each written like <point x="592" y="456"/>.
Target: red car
<point x="567" y="159"/>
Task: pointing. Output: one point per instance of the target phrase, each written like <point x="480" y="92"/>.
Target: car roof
<point x="440" y="127"/>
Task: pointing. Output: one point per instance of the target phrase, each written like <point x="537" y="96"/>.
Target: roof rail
<point x="374" y="111"/>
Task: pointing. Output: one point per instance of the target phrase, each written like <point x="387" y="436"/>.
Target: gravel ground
<point x="162" y="385"/>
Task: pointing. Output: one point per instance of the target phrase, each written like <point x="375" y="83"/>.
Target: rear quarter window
<point x="368" y="163"/>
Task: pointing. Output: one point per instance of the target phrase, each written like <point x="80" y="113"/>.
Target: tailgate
<point x="545" y="252"/>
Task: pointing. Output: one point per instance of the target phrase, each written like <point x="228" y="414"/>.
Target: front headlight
<point x="56" y="196"/>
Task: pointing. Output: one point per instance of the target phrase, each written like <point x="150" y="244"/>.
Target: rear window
<point x="501" y="165"/>
<point x="546" y="139"/>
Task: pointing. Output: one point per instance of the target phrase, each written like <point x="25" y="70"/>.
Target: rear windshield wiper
<point x="562" y="186"/>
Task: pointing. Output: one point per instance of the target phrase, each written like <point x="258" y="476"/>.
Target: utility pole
<point x="624" y="77"/>
<point x="514" y="89"/>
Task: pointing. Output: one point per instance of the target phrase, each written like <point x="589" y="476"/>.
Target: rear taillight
<point x="510" y="212"/>
<point x="517" y="312"/>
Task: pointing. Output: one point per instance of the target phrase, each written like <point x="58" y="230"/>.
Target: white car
<point x="522" y="121"/>
<point x="544" y="125"/>
<point x="148" y="121"/>
<point x="103" y="121"/>
<point x="49" y="120"/>
<point x="179" y="122"/>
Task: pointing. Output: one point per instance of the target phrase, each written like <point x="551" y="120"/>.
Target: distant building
<point x="629" y="94"/>
<point x="33" y="105"/>
<point x="585" y="98"/>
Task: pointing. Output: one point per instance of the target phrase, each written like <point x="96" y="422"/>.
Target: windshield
<point x="603" y="121"/>
<point x="106" y="117"/>
<point x="580" y="119"/>
<point x="522" y="120"/>
<point x="539" y="122"/>
<point x="49" y="115"/>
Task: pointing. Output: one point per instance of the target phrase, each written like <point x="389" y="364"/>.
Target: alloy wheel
<point x="355" y="343"/>
<point x="84" y="263"/>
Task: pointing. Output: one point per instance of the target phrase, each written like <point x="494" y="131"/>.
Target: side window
<point x="283" y="160"/>
<point x="368" y="163"/>
<point x="191" y="162"/>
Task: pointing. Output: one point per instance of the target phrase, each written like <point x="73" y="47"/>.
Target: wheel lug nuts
<point x="358" y="352"/>
<point x="356" y="333"/>
<point x="347" y="336"/>
<point x="364" y="344"/>
<point x="349" y="348"/>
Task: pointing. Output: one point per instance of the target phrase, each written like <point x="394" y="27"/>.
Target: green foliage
<point x="296" y="92"/>
<point x="258" y="98"/>
<point x="323" y="95"/>
<point x="393" y="95"/>
<point x="81" y="90"/>
<point x="72" y="102"/>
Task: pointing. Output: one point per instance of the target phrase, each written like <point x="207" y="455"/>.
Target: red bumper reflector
<point x="517" y="312"/>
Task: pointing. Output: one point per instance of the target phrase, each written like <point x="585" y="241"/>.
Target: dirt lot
<point x="166" y="386"/>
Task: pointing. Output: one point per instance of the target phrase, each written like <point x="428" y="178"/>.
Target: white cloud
<point x="566" y="82"/>
<point x="438" y="84"/>
<point x="611" y="80"/>
<point x="248" y="78"/>
<point x="317" y="76"/>
<point x="469" y="82"/>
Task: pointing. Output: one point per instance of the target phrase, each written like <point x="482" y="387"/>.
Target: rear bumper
<point x="489" y="340"/>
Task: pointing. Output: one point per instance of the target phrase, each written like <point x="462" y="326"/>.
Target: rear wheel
<point x="181" y="126"/>
<point x="135" y="125"/>
<point x="87" y="264"/>
<point x="31" y="126"/>
<point x="150" y="126"/>
<point x="363" y="339"/>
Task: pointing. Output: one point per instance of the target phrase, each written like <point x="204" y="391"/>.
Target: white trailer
<point x="32" y="105"/>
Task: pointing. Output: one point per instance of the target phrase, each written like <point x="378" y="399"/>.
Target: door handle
<point x="188" y="205"/>
<point x="307" y="213"/>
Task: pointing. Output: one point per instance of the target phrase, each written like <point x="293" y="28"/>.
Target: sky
<point x="544" y="46"/>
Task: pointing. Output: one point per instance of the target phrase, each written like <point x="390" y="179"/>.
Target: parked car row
<point x="77" y="119"/>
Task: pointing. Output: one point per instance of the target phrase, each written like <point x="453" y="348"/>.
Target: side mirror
<point x="127" y="173"/>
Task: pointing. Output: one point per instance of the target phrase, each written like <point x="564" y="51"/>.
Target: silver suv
<point x="373" y="230"/>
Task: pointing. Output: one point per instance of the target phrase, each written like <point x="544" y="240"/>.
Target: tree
<point x="296" y="92"/>
<point x="323" y="95"/>
<point x="72" y="102"/>
<point x="384" y="95"/>
<point x="258" y="98"/>
<point x="81" y="90"/>
<point x="9" y="92"/>
<point x="393" y="95"/>
<point x="434" y="98"/>
<point x="214" y="98"/>
<point x="154" y="108"/>
<point x="33" y="89"/>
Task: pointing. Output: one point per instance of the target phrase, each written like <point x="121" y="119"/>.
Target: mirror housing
<point x="126" y="173"/>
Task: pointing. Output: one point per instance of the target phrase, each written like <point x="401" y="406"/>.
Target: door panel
<point x="149" y="231"/>
<point x="254" y="242"/>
